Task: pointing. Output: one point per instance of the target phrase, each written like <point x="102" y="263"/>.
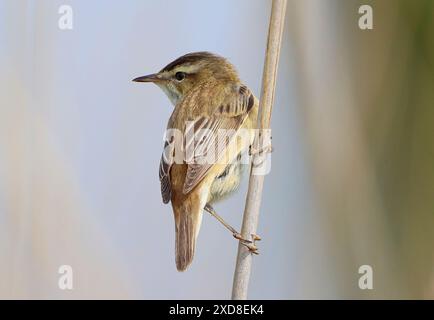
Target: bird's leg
<point x="248" y="243"/>
<point x="211" y="211"/>
<point x="261" y="153"/>
<point x="266" y="149"/>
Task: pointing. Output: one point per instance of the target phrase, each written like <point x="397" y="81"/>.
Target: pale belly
<point x="227" y="182"/>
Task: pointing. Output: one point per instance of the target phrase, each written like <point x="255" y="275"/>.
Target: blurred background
<point x="351" y="182"/>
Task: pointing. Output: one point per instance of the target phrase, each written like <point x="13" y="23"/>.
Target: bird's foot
<point x="256" y="237"/>
<point x="266" y="149"/>
<point x="250" y="244"/>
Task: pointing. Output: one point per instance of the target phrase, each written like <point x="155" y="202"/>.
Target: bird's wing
<point x="164" y="172"/>
<point x="229" y="113"/>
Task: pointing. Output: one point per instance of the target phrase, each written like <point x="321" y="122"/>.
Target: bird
<point x="208" y="98"/>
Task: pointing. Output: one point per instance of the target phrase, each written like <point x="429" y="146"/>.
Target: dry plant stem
<point x="254" y="194"/>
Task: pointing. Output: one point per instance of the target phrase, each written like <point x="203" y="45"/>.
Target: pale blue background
<point x="80" y="146"/>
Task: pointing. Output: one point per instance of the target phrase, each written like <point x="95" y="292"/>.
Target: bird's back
<point x="211" y="106"/>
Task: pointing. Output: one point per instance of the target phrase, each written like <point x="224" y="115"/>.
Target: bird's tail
<point x="187" y="225"/>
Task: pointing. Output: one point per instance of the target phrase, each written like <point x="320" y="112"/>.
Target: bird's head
<point x="181" y="75"/>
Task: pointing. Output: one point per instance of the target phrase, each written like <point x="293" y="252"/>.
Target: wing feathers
<point x="202" y="138"/>
<point x="229" y="116"/>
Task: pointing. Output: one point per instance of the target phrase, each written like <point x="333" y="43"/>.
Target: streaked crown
<point x="190" y="70"/>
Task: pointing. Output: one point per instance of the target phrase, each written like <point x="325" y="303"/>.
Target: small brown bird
<point x="208" y="98"/>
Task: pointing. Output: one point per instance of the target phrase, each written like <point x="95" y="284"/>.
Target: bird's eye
<point x="180" y="76"/>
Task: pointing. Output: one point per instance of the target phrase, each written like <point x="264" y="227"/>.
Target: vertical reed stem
<point x="254" y="194"/>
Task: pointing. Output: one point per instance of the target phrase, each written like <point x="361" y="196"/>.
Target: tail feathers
<point x="186" y="227"/>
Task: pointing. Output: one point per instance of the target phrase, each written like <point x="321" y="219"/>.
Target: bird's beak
<point x="155" y="77"/>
